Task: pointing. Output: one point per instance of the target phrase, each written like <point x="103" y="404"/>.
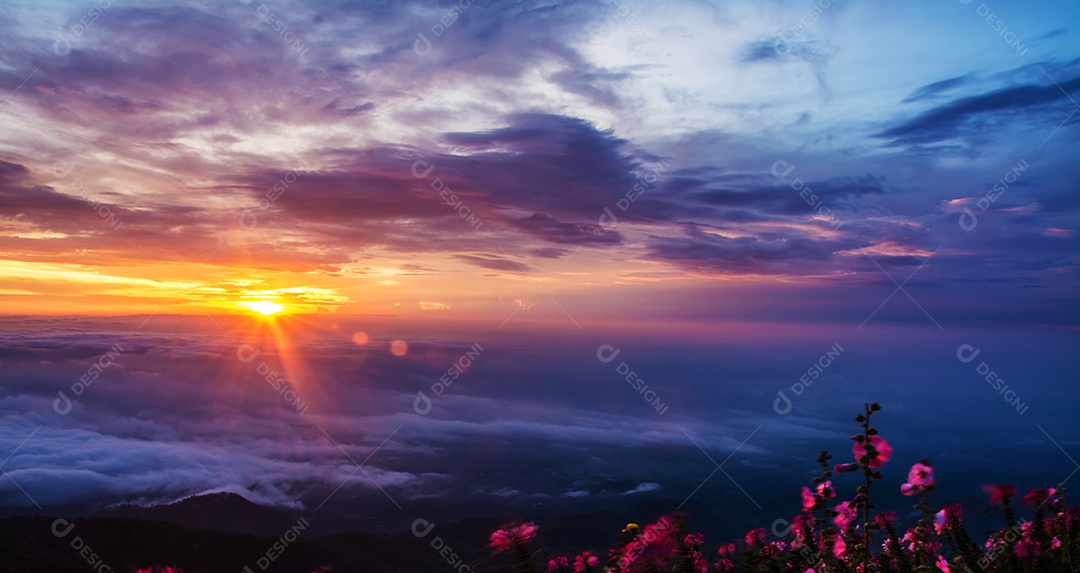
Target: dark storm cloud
<point x="1035" y="102"/>
<point x="770" y="253"/>
<point x="772" y="198"/>
<point x="551" y="230"/>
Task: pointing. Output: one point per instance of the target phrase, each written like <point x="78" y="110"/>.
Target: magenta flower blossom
<point x="845" y="468"/>
<point x="756" y="536"/>
<point x="585" y="562"/>
<point x="884" y="451"/>
<point x="885" y="518"/>
<point x="942" y="564"/>
<point x="839" y="547"/>
<point x="726" y="561"/>
<point x="1002" y="493"/>
<point x="655" y="545"/>
<point x="921" y="475"/>
<point x="1038" y="496"/>
<point x="809" y="502"/>
<point x="510" y="536"/>
<point x="1027" y="547"/>
<point x="825" y="490"/>
<point x="559" y="563"/>
<point x="845" y="514"/>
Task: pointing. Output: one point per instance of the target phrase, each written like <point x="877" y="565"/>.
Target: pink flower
<point x="510" y="536"/>
<point x="559" y="563"/>
<point x="1055" y="543"/>
<point x="725" y="564"/>
<point x="654" y="546"/>
<point x="939" y="521"/>
<point x="1037" y="496"/>
<point x="942" y="564"/>
<point x="756" y="537"/>
<point x="884" y="451"/>
<point x="839" y="548"/>
<point x="585" y="562"/>
<point x="1002" y="493"/>
<point x="845" y="468"/>
<point x="1027" y="547"/>
<point x="808" y="499"/>
<point x="921" y="475"/>
<point x="907" y="489"/>
<point x="885" y="518"/>
<point x="825" y="490"/>
<point x="845" y="514"/>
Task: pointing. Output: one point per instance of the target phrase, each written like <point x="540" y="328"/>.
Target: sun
<point x="264" y="307"/>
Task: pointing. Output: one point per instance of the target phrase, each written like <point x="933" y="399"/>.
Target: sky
<point x="262" y="230"/>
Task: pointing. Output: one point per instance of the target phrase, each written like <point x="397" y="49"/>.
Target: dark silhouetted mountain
<point x="221" y="511"/>
<point x="28" y="545"/>
<point x="225" y="532"/>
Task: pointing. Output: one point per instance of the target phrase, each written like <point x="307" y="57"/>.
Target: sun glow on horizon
<point x="264" y="307"/>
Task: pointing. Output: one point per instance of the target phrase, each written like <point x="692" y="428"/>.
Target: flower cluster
<point x="512" y="536"/>
<point x="847" y="536"/>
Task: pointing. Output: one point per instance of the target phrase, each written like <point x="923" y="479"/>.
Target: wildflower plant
<point x="835" y="533"/>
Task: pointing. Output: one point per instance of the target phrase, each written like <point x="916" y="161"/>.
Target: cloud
<point x="645" y="487"/>
<point x="1030" y="102"/>
<point x="702" y="250"/>
<point x="779" y="49"/>
<point x="553" y="231"/>
<point x="495" y="263"/>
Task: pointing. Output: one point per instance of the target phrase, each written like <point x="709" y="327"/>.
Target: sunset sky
<point x="721" y="190"/>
